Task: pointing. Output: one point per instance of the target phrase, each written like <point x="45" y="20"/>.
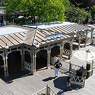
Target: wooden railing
<point x="66" y="51"/>
<point x="45" y="91"/>
<point x="78" y="80"/>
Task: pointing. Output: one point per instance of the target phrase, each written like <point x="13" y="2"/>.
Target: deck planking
<point x="30" y="84"/>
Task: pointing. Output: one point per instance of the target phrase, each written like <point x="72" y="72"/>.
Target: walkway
<point x="29" y="84"/>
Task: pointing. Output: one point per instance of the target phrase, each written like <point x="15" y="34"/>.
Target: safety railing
<point x="45" y="91"/>
<point x="78" y="80"/>
<point x="66" y="51"/>
<point x="73" y="68"/>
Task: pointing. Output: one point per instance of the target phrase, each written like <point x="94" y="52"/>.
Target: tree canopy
<point x="66" y="3"/>
<point x="46" y="10"/>
<point x="83" y="3"/>
<point x="75" y="14"/>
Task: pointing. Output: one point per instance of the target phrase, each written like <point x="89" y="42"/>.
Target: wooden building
<point x="30" y="48"/>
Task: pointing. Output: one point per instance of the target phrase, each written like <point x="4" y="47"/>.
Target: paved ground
<point x="29" y="84"/>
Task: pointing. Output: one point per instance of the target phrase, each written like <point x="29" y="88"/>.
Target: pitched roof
<point x="14" y="35"/>
<point x="61" y="32"/>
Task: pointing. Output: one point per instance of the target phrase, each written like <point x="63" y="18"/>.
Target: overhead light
<point x="75" y="35"/>
<point x="6" y="47"/>
<point x="37" y="45"/>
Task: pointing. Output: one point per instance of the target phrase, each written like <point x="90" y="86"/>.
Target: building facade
<point x="30" y="48"/>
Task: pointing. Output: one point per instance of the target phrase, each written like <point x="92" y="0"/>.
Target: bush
<point x="75" y="14"/>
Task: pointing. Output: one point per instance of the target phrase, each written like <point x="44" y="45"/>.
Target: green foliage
<point x="46" y="10"/>
<point x="3" y="2"/>
<point x="66" y="3"/>
<point x="93" y="11"/>
<point x="75" y="14"/>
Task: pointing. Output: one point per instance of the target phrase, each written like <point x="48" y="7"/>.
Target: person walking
<point x="57" y="66"/>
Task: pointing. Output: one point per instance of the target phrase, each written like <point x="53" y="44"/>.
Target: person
<point x="68" y="83"/>
<point x="57" y="67"/>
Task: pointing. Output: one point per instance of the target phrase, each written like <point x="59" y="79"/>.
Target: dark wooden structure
<point x="32" y="48"/>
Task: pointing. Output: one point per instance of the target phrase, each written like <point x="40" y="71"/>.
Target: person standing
<point x="68" y="83"/>
<point x="57" y="66"/>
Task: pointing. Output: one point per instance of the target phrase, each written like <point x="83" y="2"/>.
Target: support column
<point x="79" y="41"/>
<point x="7" y="73"/>
<point x="4" y="65"/>
<point x="86" y="39"/>
<point x="32" y="65"/>
<point x="34" y="62"/>
<point x="5" y="58"/>
<point x="92" y="36"/>
<point x="22" y="59"/>
<point x="63" y="47"/>
<point x="61" y="51"/>
<point x="48" y="58"/>
<point x="71" y="46"/>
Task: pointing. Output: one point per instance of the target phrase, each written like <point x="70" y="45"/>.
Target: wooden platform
<point x="27" y="85"/>
<point x="24" y="84"/>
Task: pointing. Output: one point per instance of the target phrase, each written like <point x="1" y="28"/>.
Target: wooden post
<point x="92" y="36"/>
<point x="70" y="68"/>
<point x="61" y="51"/>
<point x="48" y="58"/>
<point x="79" y="42"/>
<point x="86" y="39"/>
<point x="34" y="61"/>
<point x="71" y="46"/>
<point x="32" y="69"/>
<point x="4" y="65"/>
<point x="47" y="90"/>
<point x="6" y="61"/>
<point x="22" y="66"/>
<point x="22" y="52"/>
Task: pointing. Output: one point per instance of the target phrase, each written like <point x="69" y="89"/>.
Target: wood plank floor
<point x="29" y="84"/>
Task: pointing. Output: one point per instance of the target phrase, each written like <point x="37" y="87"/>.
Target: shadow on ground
<point x="10" y="78"/>
<point x="47" y="79"/>
<point x="60" y="83"/>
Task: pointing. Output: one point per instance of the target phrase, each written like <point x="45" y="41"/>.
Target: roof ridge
<point x="34" y="35"/>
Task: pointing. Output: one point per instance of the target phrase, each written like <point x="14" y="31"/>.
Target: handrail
<point x="39" y="91"/>
<point x="78" y="80"/>
<point x="67" y="51"/>
<point x="52" y="90"/>
<point x="45" y="90"/>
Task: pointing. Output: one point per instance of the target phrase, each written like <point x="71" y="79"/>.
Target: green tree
<point x="75" y="14"/>
<point x="93" y="11"/>
<point x="46" y="10"/>
<point x="66" y="3"/>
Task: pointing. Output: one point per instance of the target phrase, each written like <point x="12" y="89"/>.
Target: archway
<point x="14" y="62"/>
<point x="27" y="64"/>
<point x="1" y="66"/>
<point x="41" y="60"/>
<point x="67" y="46"/>
<point x="55" y="52"/>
